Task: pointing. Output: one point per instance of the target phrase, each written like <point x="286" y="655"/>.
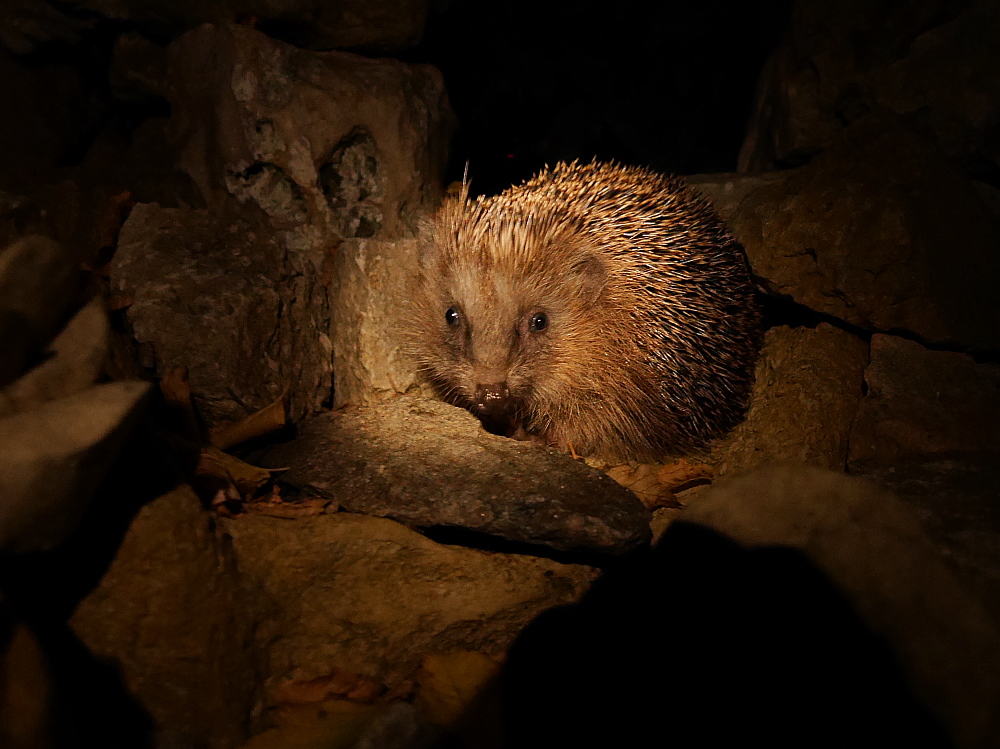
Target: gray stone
<point x="879" y="231"/>
<point x="228" y="301"/>
<point x="876" y="553"/>
<point x="923" y="405"/>
<point x="932" y="62"/>
<point x="807" y="388"/>
<point x="37" y="284"/>
<point x="372" y="283"/>
<point x="24" y="24"/>
<point x="138" y="68"/>
<point x="171" y="613"/>
<point x="76" y="357"/>
<point x="53" y="457"/>
<point x="958" y="502"/>
<point x="363" y="595"/>
<point x="428" y="464"/>
<point x="329" y="145"/>
<point x="726" y="191"/>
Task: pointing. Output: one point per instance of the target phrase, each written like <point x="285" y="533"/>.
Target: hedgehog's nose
<point x="492" y="401"/>
<point x="492" y="404"/>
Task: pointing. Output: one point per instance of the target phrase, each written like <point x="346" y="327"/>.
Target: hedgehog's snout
<point x="494" y="406"/>
<point x="491" y="400"/>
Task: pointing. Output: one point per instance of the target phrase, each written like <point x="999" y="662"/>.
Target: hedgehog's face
<point x="505" y="330"/>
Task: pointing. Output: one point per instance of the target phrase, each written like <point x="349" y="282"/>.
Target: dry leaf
<point x="177" y="393"/>
<point x="268" y="419"/>
<point x="120" y="301"/>
<point x="354" y="687"/>
<point x="246" y="478"/>
<point x="684" y="474"/>
<point x="643" y="481"/>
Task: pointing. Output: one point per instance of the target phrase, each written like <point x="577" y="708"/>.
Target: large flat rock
<point x="876" y="553"/>
<point x="428" y="464"/>
<point x="364" y="595"/>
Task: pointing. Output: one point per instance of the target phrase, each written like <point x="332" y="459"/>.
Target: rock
<point x="949" y="83"/>
<point x="170" y="612"/>
<point x="138" y="68"/>
<point x="879" y="231"/>
<point x="749" y="647"/>
<point x="876" y="553"/>
<point x="385" y="27"/>
<point x="228" y="301"/>
<point x="53" y="457"/>
<point x="37" y="284"/>
<point x="26" y="719"/>
<point x="956" y="500"/>
<point x="399" y="726"/>
<point x="933" y="63"/>
<point x="368" y="596"/>
<point x="372" y="283"/>
<point x="76" y="357"/>
<point x="24" y="24"/>
<point x="727" y="191"/>
<point x="19" y="217"/>
<point x="929" y="428"/>
<point x="807" y="389"/>
<point x="431" y="465"/>
<point x="924" y="404"/>
<point x="330" y="145"/>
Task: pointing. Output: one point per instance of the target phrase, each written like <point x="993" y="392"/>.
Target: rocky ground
<point x="231" y="515"/>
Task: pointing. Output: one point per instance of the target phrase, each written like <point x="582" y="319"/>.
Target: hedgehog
<point x="599" y="308"/>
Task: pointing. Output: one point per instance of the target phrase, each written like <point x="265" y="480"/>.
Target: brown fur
<point x="652" y="327"/>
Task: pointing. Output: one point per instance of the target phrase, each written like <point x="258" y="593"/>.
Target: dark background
<point x="665" y="85"/>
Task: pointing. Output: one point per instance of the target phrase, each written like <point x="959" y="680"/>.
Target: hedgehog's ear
<point x="589" y="274"/>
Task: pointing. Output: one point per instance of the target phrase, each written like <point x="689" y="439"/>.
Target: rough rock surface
<point x="932" y="62"/>
<point x="37" y="289"/>
<point x="76" y="356"/>
<point x="169" y="611"/>
<point x="225" y="299"/>
<point x="727" y="191"/>
<point x="929" y="428"/>
<point x="368" y="596"/>
<point x="384" y="27"/>
<point x="330" y="145"/>
<point x="53" y="457"/>
<point x="428" y="464"/>
<point x="372" y="282"/>
<point x="958" y="502"/>
<point x="924" y="404"/>
<point x="876" y="552"/>
<point x="879" y="231"/>
<point x="807" y="389"/>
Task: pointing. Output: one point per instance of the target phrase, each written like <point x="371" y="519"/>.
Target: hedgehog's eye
<point x="539" y="322"/>
<point x="451" y="316"/>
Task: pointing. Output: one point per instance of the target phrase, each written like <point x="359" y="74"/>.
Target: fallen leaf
<point x="643" y="480"/>
<point x="246" y="478"/>
<point x="355" y="687"/>
<point x="120" y="301"/>
<point x="177" y="393"/>
<point x="268" y="419"/>
<point x="684" y="474"/>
